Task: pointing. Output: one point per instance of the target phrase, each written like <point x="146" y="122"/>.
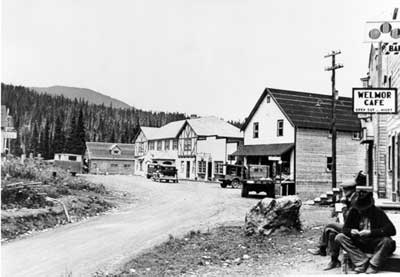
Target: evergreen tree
<point x="59" y="136"/>
<point x="80" y="138"/>
<point x="33" y="147"/>
<point x="45" y="141"/>
<point x="70" y="144"/>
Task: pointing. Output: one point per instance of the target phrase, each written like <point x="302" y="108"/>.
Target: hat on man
<point x="349" y="184"/>
<point x="364" y="198"/>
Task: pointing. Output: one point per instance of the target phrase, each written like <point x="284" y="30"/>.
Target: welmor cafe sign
<point x="375" y="100"/>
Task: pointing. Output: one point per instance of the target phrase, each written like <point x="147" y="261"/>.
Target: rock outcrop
<point x="271" y="214"/>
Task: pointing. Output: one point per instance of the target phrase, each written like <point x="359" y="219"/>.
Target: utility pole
<point x="334" y="98"/>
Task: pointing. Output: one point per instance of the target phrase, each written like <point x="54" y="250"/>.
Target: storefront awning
<point x="276" y="149"/>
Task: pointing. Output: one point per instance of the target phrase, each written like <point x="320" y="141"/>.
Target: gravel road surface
<point x="106" y="242"/>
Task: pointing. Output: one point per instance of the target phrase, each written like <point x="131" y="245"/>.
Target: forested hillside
<point x="52" y="124"/>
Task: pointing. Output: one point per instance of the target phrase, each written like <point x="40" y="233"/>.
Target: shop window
<point x="255" y="130"/>
<point x="219" y="168"/>
<point x="280" y="128"/>
<point x="329" y="163"/>
<point x="202" y="167"/>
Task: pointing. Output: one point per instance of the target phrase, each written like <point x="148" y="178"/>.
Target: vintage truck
<point x="257" y="178"/>
<point x="165" y="173"/>
<point x="233" y="176"/>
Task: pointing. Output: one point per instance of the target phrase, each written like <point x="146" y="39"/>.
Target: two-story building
<point x="8" y="131"/>
<point x="204" y="145"/>
<point x="198" y="147"/>
<point x="290" y="132"/>
<point x="157" y="145"/>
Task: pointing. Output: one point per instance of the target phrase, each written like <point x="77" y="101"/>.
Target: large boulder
<point x="270" y="214"/>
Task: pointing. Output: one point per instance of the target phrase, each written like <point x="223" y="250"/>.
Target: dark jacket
<point x="381" y="226"/>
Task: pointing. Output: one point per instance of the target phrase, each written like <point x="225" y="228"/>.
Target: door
<point x="188" y="169"/>
<point x="209" y="171"/>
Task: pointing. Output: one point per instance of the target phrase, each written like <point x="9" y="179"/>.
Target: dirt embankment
<point x="35" y="196"/>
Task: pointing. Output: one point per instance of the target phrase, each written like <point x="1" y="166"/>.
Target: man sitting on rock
<point x="367" y="229"/>
<point x="332" y="229"/>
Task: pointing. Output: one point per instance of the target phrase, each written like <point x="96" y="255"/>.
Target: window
<point x="356" y="135"/>
<point x="255" y="130"/>
<point x="114" y="165"/>
<point x="175" y="145"/>
<point x="219" y="168"/>
<point x="268" y="99"/>
<point x="151" y="145"/>
<point x="167" y="144"/>
<point x="72" y="158"/>
<point x="182" y="166"/>
<point x="329" y="163"/>
<point x="280" y="128"/>
<point x="115" y="151"/>
<point x="159" y="145"/>
<point x="127" y="165"/>
<point x="187" y="145"/>
<point x="202" y="167"/>
<point x="390" y="157"/>
<point x="141" y="147"/>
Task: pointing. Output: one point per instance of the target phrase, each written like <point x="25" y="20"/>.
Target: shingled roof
<point x="311" y="110"/>
<point x="213" y="126"/>
<point x="102" y="151"/>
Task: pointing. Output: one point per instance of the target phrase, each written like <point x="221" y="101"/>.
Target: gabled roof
<point x="213" y="126"/>
<point x="310" y="110"/>
<point x="102" y="150"/>
<point x="149" y="132"/>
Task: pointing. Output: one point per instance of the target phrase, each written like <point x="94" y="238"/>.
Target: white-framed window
<point x="268" y="99"/>
<point x="151" y="145"/>
<point x="280" y="128"/>
<point x="159" y="145"/>
<point x="167" y="144"/>
<point x="329" y="163"/>
<point x="114" y="165"/>
<point x="127" y="165"/>
<point x="187" y="144"/>
<point x="219" y="167"/>
<point x="175" y="144"/>
<point x="202" y="167"/>
<point x="255" y="130"/>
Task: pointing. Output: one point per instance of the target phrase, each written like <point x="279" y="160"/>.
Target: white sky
<point x="208" y="57"/>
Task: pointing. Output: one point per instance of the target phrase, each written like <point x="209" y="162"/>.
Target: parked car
<point x="151" y="168"/>
<point x="258" y="179"/>
<point x="233" y="177"/>
<point x="165" y="173"/>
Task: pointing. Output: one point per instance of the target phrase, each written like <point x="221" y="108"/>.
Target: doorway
<point x="209" y="171"/>
<point x="188" y="169"/>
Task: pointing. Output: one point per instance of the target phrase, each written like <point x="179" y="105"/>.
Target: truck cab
<point x="258" y="179"/>
<point x="233" y="177"/>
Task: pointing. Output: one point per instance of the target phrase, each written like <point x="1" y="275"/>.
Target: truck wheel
<point x="223" y="185"/>
<point x="235" y="183"/>
<point x="245" y="192"/>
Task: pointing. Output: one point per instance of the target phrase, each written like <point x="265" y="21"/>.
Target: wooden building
<point x="291" y="133"/>
<point x="204" y="145"/>
<point x="110" y="158"/>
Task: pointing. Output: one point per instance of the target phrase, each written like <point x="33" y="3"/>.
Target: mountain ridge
<point x="92" y="96"/>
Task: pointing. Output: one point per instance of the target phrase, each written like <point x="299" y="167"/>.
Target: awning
<point x="276" y="149"/>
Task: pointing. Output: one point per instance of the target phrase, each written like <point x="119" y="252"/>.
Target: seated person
<point x="367" y="229"/>
<point x="332" y="229"/>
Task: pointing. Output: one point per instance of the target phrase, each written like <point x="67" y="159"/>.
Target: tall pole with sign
<point x="333" y="68"/>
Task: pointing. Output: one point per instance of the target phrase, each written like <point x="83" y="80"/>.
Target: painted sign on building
<point x="375" y="100"/>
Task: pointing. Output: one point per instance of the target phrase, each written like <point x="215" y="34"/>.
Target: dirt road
<point x="105" y="242"/>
